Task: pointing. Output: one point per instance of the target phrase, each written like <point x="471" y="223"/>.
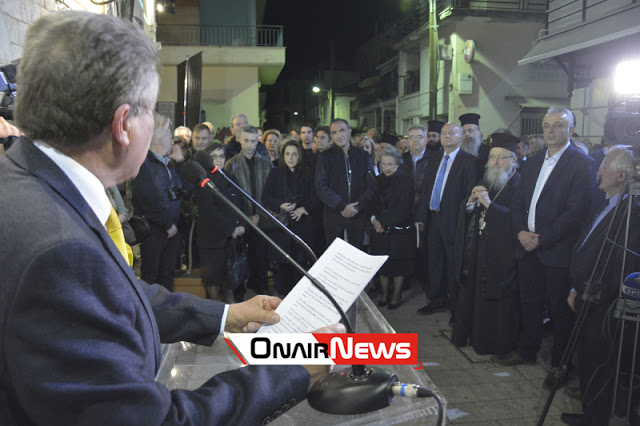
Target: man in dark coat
<point x="233" y="146"/>
<point x="597" y="351"/>
<point x="157" y="196"/>
<point x="449" y="178"/>
<point x="345" y="185"/>
<point x="472" y="137"/>
<point x="547" y="213"/>
<point x="414" y="164"/>
<point x="487" y="315"/>
<point x="79" y="333"/>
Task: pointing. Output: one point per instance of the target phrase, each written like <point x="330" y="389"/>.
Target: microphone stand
<point x="356" y="390"/>
<point x="280" y="225"/>
<point x="592" y="294"/>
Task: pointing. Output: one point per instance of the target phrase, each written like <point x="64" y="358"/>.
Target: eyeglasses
<point x="500" y="157"/>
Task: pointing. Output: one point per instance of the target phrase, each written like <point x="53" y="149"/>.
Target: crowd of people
<point x="500" y="232"/>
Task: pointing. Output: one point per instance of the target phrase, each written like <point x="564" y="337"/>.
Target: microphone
<point x="204" y="159"/>
<point x="356" y="390"/>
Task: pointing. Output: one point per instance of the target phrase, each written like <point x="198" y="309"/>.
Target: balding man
<point x="547" y="214"/>
<point x="449" y="178"/>
<point x="80" y="333"/>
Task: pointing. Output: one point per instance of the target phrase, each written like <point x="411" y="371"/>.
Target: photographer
<point x="157" y="195"/>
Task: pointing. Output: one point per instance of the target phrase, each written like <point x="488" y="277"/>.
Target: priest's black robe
<point x="487" y="313"/>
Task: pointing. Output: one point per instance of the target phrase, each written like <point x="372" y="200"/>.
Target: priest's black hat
<point x="470" y="118"/>
<point x="435" y="126"/>
<point x="504" y="140"/>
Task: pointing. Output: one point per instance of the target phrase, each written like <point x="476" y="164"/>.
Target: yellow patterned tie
<point x="114" y="228"/>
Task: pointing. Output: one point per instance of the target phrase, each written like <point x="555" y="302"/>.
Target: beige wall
<point x="245" y="102"/>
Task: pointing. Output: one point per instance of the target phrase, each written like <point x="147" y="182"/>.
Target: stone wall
<point x="16" y="15"/>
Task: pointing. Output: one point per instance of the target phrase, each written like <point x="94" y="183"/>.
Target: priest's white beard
<point x="495" y="176"/>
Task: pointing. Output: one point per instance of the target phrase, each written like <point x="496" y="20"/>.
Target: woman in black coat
<point x="392" y="221"/>
<point x="290" y="188"/>
<point x="217" y="229"/>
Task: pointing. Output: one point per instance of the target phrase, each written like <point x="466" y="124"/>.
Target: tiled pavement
<point x="478" y="391"/>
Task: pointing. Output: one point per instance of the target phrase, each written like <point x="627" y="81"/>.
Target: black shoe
<point x="393" y="306"/>
<point x="555" y="380"/>
<point x="382" y="303"/>
<point x="573" y="419"/>
<point x="430" y="309"/>
<point x="511" y="359"/>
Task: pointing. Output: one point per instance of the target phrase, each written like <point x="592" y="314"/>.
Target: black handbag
<point x="237" y="264"/>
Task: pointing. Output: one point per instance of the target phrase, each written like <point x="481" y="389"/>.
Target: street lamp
<point x="316" y="89"/>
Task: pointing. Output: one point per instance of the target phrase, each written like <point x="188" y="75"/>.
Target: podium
<point x="188" y="366"/>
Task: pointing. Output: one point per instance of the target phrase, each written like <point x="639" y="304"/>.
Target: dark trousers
<point x="538" y="282"/>
<point x="335" y="226"/>
<point x="258" y="263"/>
<point x="440" y="263"/>
<point x="213" y="267"/>
<point x="158" y="258"/>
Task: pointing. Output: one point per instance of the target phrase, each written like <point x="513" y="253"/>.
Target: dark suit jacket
<point x="584" y="256"/>
<point x="415" y="173"/>
<point x="80" y="335"/>
<point x="563" y="205"/>
<point x="464" y="173"/>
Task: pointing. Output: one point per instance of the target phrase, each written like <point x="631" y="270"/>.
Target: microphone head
<point x="204" y="159"/>
<point x="193" y="173"/>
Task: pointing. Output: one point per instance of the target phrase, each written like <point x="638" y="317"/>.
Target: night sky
<point x="309" y="25"/>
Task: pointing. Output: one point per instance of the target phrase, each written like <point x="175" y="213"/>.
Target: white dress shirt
<point x="547" y="167"/>
<point x="91" y="190"/>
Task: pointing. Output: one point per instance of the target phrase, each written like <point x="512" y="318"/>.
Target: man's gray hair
<point x="571" y="120"/>
<point x="238" y="116"/>
<point x="423" y="129"/>
<point x="623" y="161"/>
<point x="249" y="129"/>
<point x="77" y="69"/>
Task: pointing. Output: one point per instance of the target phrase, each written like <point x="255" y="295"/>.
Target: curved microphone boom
<point x="355" y="390"/>
<point x="205" y="160"/>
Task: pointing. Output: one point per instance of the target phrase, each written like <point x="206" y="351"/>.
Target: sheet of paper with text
<point x="344" y="271"/>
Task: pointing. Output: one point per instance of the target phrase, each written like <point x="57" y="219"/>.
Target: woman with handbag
<point x="290" y="193"/>
<point x="217" y="229"/>
<point x="393" y="232"/>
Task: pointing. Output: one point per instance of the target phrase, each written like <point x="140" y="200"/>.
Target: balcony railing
<point x="220" y="35"/>
<point x="448" y="7"/>
<point x="568" y="13"/>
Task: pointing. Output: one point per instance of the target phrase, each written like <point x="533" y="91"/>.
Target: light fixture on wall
<point x="166" y="6"/>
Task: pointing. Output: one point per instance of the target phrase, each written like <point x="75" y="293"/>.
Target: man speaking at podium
<point x="79" y="334"/>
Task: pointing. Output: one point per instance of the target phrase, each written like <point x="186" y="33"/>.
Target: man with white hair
<point x="80" y="333"/>
<point x="547" y="214"/>
<point x="597" y="366"/>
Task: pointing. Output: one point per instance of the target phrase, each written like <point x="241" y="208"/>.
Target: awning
<point x="590" y="34"/>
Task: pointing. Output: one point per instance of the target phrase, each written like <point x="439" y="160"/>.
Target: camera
<point x="175" y="193"/>
<point x="7" y="90"/>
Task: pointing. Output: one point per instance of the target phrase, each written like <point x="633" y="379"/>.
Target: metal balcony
<point x="220" y="35"/>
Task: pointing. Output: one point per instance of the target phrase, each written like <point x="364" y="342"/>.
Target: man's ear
<point x="120" y="124"/>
